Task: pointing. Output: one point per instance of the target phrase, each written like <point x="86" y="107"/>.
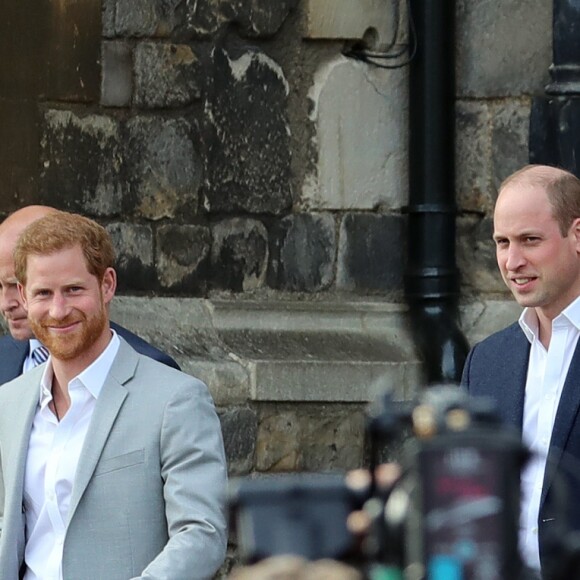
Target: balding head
<point x="10" y="302"/>
<point x="562" y="189"/>
<point x="17" y="222"/>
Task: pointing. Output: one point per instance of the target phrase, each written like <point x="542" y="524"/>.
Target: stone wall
<point x="244" y="165"/>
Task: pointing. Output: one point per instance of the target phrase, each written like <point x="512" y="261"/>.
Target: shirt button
<point x="534" y="530"/>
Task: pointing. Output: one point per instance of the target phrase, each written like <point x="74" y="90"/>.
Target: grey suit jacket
<point x="148" y="496"/>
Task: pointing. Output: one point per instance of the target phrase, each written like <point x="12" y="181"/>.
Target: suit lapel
<point x="19" y="424"/>
<point x="109" y="403"/>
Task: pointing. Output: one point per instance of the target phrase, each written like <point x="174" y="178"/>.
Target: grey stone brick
<point x="503" y="48"/>
<point x="117" y="74"/>
<point x="240" y="430"/>
<point x="134" y="248"/>
<point x="247" y="136"/>
<point x="81" y="163"/>
<point x="476" y="256"/>
<point x="139" y="18"/>
<point x="163" y="168"/>
<point x="509" y="140"/>
<point x="473" y="182"/>
<point x="182" y="257"/>
<point x="303" y="253"/>
<point x="310" y="437"/>
<point x="239" y="256"/>
<point x="166" y="75"/>
<point x="370" y="253"/>
<point x="108" y="18"/>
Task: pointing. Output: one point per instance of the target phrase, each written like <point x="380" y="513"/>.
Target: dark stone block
<point x="117" y="74"/>
<point x="303" y="253"/>
<point x="182" y="258"/>
<point x="240" y="429"/>
<point x="239" y="254"/>
<point x="166" y="75"/>
<point x="255" y="18"/>
<point x="370" y="253"/>
<point x="509" y="141"/>
<point x="134" y="246"/>
<point x="81" y="162"/>
<point x="163" y="168"/>
<point x="247" y="136"/>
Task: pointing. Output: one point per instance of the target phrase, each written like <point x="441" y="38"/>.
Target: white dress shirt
<point x="53" y="455"/>
<point x="547" y="371"/>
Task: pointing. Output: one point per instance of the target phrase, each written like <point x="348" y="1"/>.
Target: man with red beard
<point x="21" y="350"/>
<point x="111" y="464"/>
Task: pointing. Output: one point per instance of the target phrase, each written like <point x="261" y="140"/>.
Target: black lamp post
<point x="555" y="119"/>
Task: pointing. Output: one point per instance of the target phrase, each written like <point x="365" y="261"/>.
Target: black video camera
<point x="451" y="514"/>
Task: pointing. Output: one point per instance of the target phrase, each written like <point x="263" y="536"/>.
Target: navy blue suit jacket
<point x="497" y="368"/>
<point x="13" y="353"/>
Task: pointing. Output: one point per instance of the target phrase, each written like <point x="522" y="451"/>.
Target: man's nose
<point x="515" y="258"/>
<point x="8" y="299"/>
<point x="58" y="307"/>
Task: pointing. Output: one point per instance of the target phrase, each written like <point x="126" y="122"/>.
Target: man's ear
<point x="109" y="284"/>
<point x="22" y="292"/>
<point x="575" y="231"/>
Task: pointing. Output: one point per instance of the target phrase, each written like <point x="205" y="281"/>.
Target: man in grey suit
<point x="103" y="474"/>
<point x="532" y="368"/>
<point x="20" y="351"/>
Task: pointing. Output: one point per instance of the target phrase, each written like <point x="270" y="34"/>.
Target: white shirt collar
<point x="569" y="316"/>
<point x="33" y="343"/>
<point x="93" y="377"/>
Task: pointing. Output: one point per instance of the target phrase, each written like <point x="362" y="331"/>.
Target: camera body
<point x="452" y="514"/>
<point x="464" y="504"/>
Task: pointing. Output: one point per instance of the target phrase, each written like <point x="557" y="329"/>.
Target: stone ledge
<point x="327" y="351"/>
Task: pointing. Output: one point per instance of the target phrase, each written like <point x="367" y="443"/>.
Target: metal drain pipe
<point x="432" y="277"/>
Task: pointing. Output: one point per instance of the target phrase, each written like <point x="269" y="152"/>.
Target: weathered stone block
<point x="134" y="247"/>
<point x="473" y="184"/>
<point x="182" y="257"/>
<point x="370" y="253"/>
<point x="497" y="41"/>
<point x="141" y="18"/>
<point x="345" y="19"/>
<point x="81" y="163"/>
<point x="303" y="253"/>
<point x="310" y="437"/>
<point x="361" y="117"/>
<point x="255" y="18"/>
<point x="166" y="75"/>
<point x="239" y="256"/>
<point x="116" y="74"/>
<point x="509" y="139"/>
<point x="476" y="256"/>
<point x="240" y="430"/>
<point x="247" y="138"/>
<point x="163" y="168"/>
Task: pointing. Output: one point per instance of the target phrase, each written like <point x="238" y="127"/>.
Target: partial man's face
<point x="67" y="305"/>
<point x="11" y="304"/>
<point x="538" y="264"/>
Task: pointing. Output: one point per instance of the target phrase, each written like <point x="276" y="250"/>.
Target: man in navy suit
<point x="532" y="368"/>
<point x="16" y="350"/>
